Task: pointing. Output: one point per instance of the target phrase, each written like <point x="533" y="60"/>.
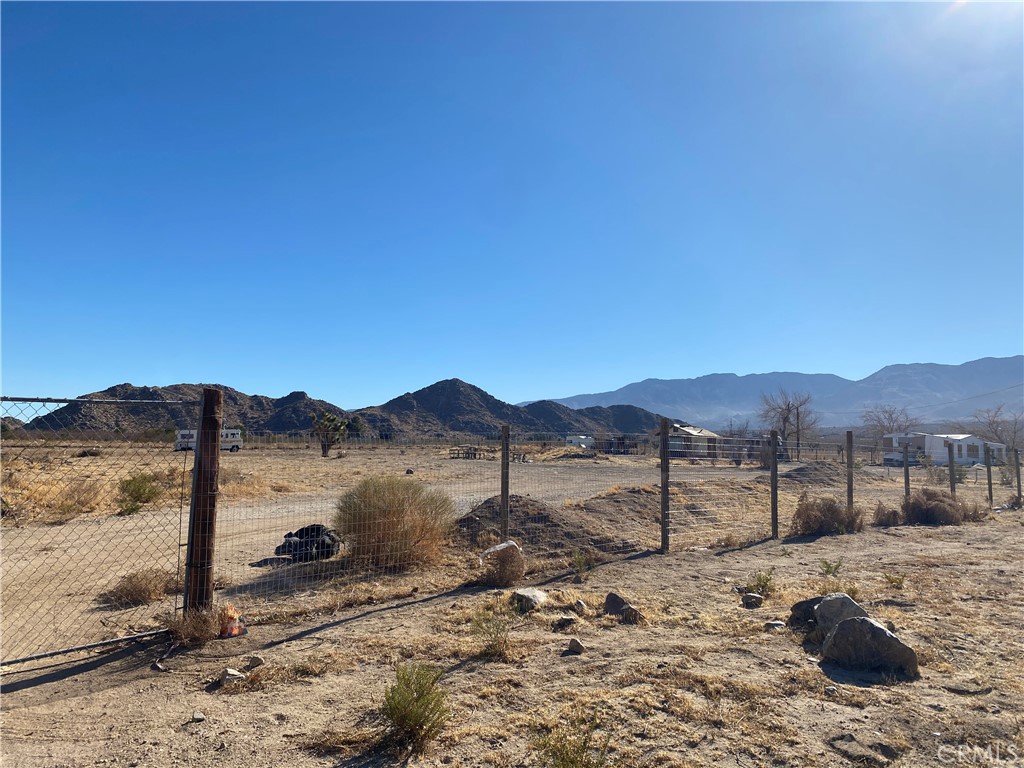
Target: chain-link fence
<point x="92" y="521"/>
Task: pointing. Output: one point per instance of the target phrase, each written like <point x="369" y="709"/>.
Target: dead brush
<point x="192" y="627"/>
<point x="824" y="516"/>
<point x="930" y="506"/>
<point x="574" y="743"/>
<point x="886" y="517"/>
<point x="142" y="587"/>
<point x="505" y="568"/>
<point x="493" y="625"/>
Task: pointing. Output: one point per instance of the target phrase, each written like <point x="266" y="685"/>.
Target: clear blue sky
<point x="358" y="200"/>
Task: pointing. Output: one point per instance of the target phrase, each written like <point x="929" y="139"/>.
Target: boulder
<point x="833" y="609"/>
<point x="802" y="613"/>
<point x="528" y="599"/>
<point x="614" y="604"/>
<point x="862" y="643"/>
<point x="752" y="600"/>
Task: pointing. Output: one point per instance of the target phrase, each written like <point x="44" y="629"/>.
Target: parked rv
<point x="230" y="440"/>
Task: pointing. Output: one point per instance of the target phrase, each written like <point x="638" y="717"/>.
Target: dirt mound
<point x="569" y="452"/>
<point x="543" y="530"/>
<point x="816" y="473"/>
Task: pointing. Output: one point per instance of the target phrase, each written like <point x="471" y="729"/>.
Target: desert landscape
<point x="700" y="680"/>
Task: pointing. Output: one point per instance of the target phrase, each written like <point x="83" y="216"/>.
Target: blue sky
<point x="358" y="200"/>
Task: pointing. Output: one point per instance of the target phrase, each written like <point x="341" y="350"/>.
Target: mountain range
<point x="931" y="392"/>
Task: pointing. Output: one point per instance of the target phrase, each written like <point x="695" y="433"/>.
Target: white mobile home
<point x="967" y="449"/>
<point x="230" y="440"/>
<point x="580" y="441"/>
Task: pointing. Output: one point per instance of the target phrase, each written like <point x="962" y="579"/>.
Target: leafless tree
<point x="790" y="413"/>
<point x="881" y="420"/>
<point x="997" y="425"/>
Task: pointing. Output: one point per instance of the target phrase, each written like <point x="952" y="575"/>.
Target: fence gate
<point x="94" y="521"/>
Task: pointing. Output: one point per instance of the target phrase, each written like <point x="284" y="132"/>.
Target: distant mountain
<point x="252" y="412"/>
<point x="445" y="409"/>
<point x="933" y="392"/>
<point x="455" y="407"/>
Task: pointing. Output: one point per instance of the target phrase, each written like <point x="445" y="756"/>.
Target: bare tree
<point x="997" y="425"/>
<point x="790" y="413"/>
<point x="881" y="420"/>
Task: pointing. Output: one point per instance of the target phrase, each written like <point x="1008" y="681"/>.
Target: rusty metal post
<point x="988" y="473"/>
<point x="504" y="479"/>
<point x="202" y="520"/>
<point x="952" y="469"/>
<point x="906" y="470"/>
<point x="849" y="469"/>
<point x="774" y="465"/>
<point x="666" y="516"/>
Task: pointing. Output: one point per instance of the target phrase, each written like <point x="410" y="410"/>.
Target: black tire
<point x="234" y="449"/>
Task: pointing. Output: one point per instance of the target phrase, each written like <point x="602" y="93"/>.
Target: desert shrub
<point x="504" y="568"/>
<point x="894" y="580"/>
<point x="493" y="625"/>
<point x="831" y="567"/>
<point x="930" y="506"/>
<point x="761" y="583"/>
<point x="886" y="517"/>
<point x="394" y="522"/>
<point x="142" y="587"/>
<point x="573" y="745"/>
<point x="824" y="516"/>
<point x="134" y="491"/>
<point x="192" y="627"/>
<point x="414" y="707"/>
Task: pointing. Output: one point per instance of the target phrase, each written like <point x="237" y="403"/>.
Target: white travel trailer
<point x="580" y="441"/>
<point x="230" y="440"/>
<point x="967" y="449"/>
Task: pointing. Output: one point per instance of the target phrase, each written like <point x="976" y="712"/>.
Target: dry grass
<point x="270" y="675"/>
<point x="824" y="516"/>
<point x="929" y="506"/>
<point x="394" y="522"/>
<point x="143" y="587"/>
<point x="192" y="628"/>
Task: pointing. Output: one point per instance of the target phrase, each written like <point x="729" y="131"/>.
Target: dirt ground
<point x="700" y="683"/>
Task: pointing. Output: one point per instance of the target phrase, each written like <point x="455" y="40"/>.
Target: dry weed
<point x="824" y="516"/>
<point x="143" y="587"/>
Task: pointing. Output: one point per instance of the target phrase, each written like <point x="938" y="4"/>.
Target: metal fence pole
<point x="504" y="479"/>
<point x="906" y="470"/>
<point x="952" y="469"/>
<point x="849" y="469"/>
<point x="1016" y="461"/>
<point x="665" y="514"/>
<point x="774" y="465"/>
<point x="202" y="520"/>
<point x="988" y="473"/>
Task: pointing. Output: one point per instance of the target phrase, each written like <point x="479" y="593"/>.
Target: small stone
<point x="528" y="599"/>
<point x="575" y="646"/>
<point x="580" y="607"/>
<point x="890" y="626"/>
<point x="229" y="675"/>
<point x="197" y="716"/>
<point x="563" y="623"/>
<point x="831" y="690"/>
<point x="254" y="661"/>
<point x="408" y="472"/>
<point x="752" y="600"/>
<point x="774" y="626"/>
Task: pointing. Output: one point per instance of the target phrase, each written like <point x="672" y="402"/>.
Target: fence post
<point x="952" y="469"/>
<point x="665" y="514"/>
<point x="906" y="470"/>
<point x="774" y="465"/>
<point x="988" y="473"/>
<point x="1016" y="461"/>
<point x="202" y="519"/>
<point x="504" y="479"/>
<point x="849" y="469"/>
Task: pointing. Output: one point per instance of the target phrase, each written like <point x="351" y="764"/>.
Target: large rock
<point x="833" y="609"/>
<point x="802" y="613"/>
<point x="862" y="643"/>
<point x="614" y="604"/>
<point x="528" y="599"/>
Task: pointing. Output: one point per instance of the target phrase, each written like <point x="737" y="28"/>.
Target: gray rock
<point x="229" y="675"/>
<point x="752" y="600"/>
<point x="833" y="609"/>
<point x="802" y="613"/>
<point x="528" y="599"/>
<point x="862" y="643"/>
<point x="580" y="607"/>
<point x="254" y="661"/>
<point x="774" y="626"/>
<point x="614" y="603"/>
<point x="197" y="716"/>
<point x="575" y="646"/>
<point x="631" y="615"/>
<point x="831" y="690"/>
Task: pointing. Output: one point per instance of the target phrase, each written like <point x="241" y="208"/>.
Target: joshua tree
<point x="329" y="429"/>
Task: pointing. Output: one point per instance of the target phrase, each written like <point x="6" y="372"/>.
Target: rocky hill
<point x="442" y="410"/>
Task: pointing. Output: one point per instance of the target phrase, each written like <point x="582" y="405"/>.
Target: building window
<point x="973" y="452"/>
<point x="959" y="451"/>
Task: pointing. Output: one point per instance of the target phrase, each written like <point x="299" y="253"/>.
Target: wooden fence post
<point x="665" y="514"/>
<point x="1016" y="461"/>
<point x="504" y="479"/>
<point x="849" y="469"/>
<point x="774" y="465"/>
<point x="202" y="519"/>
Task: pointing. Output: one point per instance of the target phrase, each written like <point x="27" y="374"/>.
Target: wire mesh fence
<point x="92" y="526"/>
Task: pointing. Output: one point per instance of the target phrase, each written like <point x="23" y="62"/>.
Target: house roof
<point x="693" y="431"/>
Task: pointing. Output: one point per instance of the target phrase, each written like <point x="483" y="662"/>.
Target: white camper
<point x="230" y="440"/>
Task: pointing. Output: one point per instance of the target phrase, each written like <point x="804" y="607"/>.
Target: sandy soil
<point x="701" y="683"/>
